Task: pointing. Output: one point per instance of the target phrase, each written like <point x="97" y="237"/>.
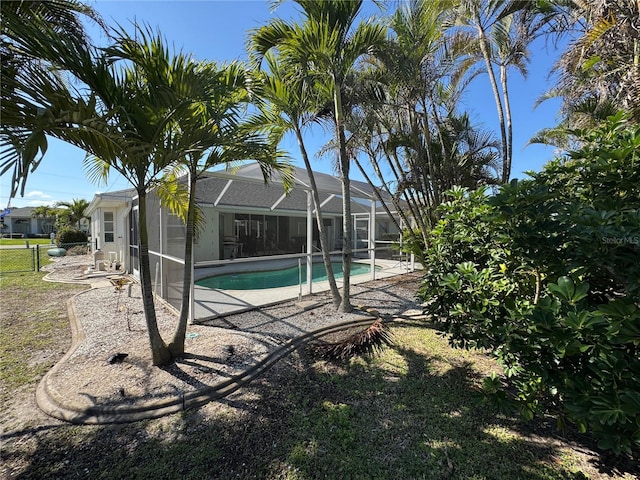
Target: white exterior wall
<point x="122" y="236"/>
<point x="116" y="249"/>
<point x="95" y="230"/>
<point x="25" y="225"/>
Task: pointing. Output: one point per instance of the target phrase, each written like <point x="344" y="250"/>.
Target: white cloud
<point x="37" y="203"/>
<point x="37" y="193"/>
<point x="35" y="198"/>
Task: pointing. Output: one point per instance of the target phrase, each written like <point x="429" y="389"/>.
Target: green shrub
<point x="546" y="276"/>
<point x="70" y="235"/>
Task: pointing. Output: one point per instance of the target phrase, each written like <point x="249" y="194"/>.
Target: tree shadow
<point x="405" y="415"/>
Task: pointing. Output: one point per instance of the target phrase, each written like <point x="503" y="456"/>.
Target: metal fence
<point x="27" y="258"/>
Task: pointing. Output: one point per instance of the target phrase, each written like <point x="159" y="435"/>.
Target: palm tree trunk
<point x="159" y="352"/>
<point x="176" y="347"/>
<point x="506" y="166"/>
<point x="496" y="95"/>
<point x="324" y="243"/>
<point x="394" y="199"/>
<point x="410" y="196"/>
<point x="377" y="192"/>
<point x="420" y="130"/>
<point x="347" y="228"/>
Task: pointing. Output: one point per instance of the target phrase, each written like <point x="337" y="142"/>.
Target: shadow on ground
<point x="409" y="413"/>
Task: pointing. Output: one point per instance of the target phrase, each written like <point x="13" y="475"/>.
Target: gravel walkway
<point x="107" y="322"/>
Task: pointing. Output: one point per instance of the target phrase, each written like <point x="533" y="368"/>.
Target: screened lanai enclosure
<point x="247" y="223"/>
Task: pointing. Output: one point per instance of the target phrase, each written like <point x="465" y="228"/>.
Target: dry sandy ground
<point x="112" y="321"/>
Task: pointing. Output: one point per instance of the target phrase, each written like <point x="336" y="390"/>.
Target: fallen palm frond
<point x="367" y="342"/>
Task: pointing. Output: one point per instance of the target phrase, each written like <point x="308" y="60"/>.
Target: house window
<point x="108" y="227"/>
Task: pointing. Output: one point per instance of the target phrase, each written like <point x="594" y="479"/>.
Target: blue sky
<point x="216" y="30"/>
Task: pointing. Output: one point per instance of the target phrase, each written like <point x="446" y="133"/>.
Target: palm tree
<point x="510" y="37"/>
<point x="326" y="48"/>
<point x="32" y="70"/>
<point x="476" y="15"/>
<point x="125" y="122"/>
<point x="603" y="64"/>
<point x="403" y="128"/>
<point x="289" y="104"/>
<point x="417" y="69"/>
<point x="502" y="41"/>
<point x="76" y="210"/>
<point x="47" y="214"/>
<point x="213" y="131"/>
<point x="473" y="158"/>
<point x="137" y="125"/>
<point x="408" y="125"/>
<point x="600" y="69"/>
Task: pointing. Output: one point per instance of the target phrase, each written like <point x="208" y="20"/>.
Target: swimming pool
<point x="285" y="277"/>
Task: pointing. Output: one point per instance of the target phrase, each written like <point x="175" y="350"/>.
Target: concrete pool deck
<point x="213" y="303"/>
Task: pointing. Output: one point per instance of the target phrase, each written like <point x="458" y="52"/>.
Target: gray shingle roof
<point x="246" y="188"/>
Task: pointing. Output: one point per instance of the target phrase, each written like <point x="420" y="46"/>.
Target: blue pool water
<point x="276" y="278"/>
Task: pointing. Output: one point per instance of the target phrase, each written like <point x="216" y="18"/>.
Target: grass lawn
<point x="22" y="259"/>
<point x="413" y="412"/>
<point x="4" y="242"/>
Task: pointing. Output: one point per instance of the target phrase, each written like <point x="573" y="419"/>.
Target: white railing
<point x="162" y="281"/>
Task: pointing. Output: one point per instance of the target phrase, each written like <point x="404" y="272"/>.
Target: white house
<point x="244" y="217"/>
<point x="20" y="222"/>
<point x="110" y="225"/>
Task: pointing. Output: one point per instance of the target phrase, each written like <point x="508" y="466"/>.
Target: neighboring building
<point x="20" y="222"/>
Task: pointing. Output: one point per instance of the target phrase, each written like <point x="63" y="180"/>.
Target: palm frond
<point x="368" y="342"/>
<point x="557" y="137"/>
<point x="173" y="193"/>
<point x="265" y="38"/>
